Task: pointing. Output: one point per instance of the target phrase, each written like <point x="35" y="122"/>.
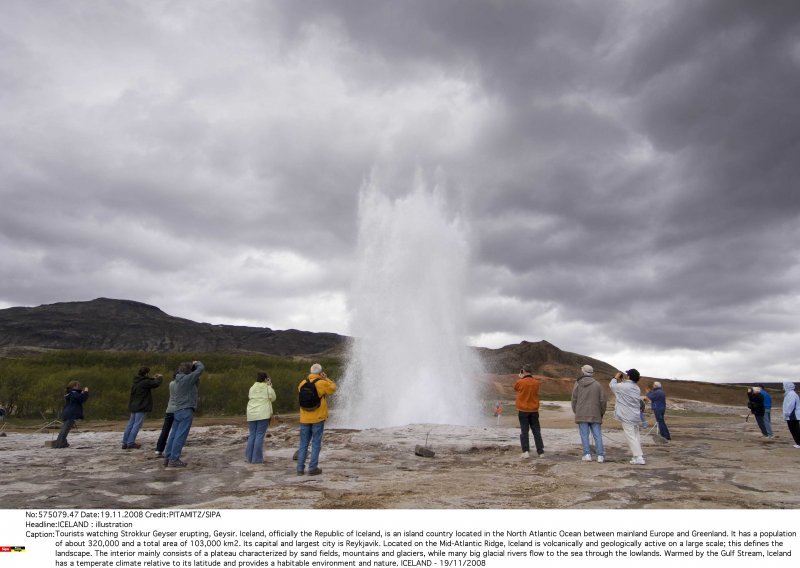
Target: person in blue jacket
<point x="767" y="409"/>
<point x="658" y="402"/>
<point x="73" y="410"/>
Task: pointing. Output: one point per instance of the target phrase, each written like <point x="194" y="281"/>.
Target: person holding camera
<point x="73" y="410"/>
<point x="140" y="403"/>
<point x="658" y="402"/>
<point x="755" y="402"/>
<point x="183" y="392"/>
<point x="259" y="412"/>
<point x="626" y="410"/>
<point x="527" y="402"/>
<point x="313" y="392"/>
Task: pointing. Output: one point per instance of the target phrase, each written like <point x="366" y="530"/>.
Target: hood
<point x="586" y="380"/>
<point x="787" y="386"/>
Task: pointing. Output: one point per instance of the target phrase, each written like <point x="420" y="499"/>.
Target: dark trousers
<point x="530" y="420"/>
<point x="61" y="441"/>
<point x="169" y="418"/>
<point x="760" y="422"/>
<point x="794" y="428"/>
<point x="663" y="431"/>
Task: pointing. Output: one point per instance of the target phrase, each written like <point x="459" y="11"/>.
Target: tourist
<point x="73" y="410"/>
<point x="589" y="405"/>
<point x="166" y="426"/>
<point x="313" y="393"/>
<point x="259" y="411"/>
<point x="140" y="403"/>
<point x="527" y="403"/>
<point x="755" y="402"/>
<point x="658" y="402"/>
<point x="626" y="410"/>
<point x="498" y="411"/>
<point x="791" y="411"/>
<point x="183" y="392"/>
<point x="767" y="411"/>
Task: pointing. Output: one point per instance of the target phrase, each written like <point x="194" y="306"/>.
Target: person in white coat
<point x="626" y="410"/>
<point x="259" y="412"/>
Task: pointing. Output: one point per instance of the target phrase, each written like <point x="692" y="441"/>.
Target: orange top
<point x="527" y="394"/>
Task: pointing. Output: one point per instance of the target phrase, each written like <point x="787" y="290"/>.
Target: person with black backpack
<point x="312" y="397"/>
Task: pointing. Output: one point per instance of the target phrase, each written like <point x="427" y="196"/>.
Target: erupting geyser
<point x="409" y="362"/>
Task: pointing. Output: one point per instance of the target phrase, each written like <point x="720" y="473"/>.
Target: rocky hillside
<point x="543" y="358"/>
<point x="125" y="325"/>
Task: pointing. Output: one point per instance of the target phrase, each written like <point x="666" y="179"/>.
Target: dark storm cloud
<point x="627" y="169"/>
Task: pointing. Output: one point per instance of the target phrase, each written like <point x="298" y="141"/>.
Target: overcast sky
<point x="628" y="170"/>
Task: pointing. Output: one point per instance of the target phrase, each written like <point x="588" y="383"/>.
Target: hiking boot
<point x="177" y="463"/>
<point x="124" y="446"/>
<point x="134" y="446"/>
<point x="638" y="460"/>
<point x="315" y="471"/>
<point x="587" y="457"/>
<point x="524" y="456"/>
<point x="159" y="454"/>
<point x="300" y="472"/>
<point x="540" y="455"/>
<point x="600" y="459"/>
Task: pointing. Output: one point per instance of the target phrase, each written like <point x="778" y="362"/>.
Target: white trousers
<point x="632" y="435"/>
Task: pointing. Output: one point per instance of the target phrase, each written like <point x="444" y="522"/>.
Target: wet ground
<point x="716" y="460"/>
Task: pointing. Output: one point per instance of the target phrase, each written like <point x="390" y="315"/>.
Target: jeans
<point x="180" y="431"/>
<point x="254" y="452"/>
<point x="768" y="422"/>
<point x="61" y="441"/>
<point x="643" y="418"/>
<point x="169" y="418"/>
<point x="761" y="425"/>
<point x="132" y="429"/>
<point x="596" y="429"/>
<point x="312" y="433"/>
<point x="530" y="420"/>
<point x="663" y="431"/>
<point x="632" y="436"/>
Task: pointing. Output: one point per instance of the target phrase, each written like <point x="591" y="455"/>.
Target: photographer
<point x="140" y="403"/>
<point x="73" y="410"/>
<point x="626" y="410"/>
<point x="527" y="402"/>
<point x="183" y="392"/>
<point x="259" y="412"/>
<point x="755" y="402"/>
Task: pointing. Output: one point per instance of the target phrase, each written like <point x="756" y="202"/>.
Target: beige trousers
<point x="632" y="435"/>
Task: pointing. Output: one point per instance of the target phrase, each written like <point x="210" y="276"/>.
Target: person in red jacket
<point x="527" y="388"/>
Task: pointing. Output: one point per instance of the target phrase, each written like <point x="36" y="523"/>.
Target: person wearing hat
<point x="626" y="410"/>
<point x="658" y="402"/>
<point x="527" y="402"/>
<point x="589" y="405"/>
<point x="312" y="419"/>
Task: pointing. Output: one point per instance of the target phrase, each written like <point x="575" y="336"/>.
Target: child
<point x="73" y="410"/>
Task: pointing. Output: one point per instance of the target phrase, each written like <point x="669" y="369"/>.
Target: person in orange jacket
<point x="313" y="393"/>
<point x="527" y="402"/>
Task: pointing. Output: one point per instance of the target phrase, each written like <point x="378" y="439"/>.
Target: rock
<point x="424" y="451"/>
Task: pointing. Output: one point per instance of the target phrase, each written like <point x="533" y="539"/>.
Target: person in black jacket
<point x="73" y="410"/>
<point x="140" y="403"/>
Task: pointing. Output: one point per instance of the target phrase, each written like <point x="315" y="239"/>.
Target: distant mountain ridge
<point x="127" y="325"/>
